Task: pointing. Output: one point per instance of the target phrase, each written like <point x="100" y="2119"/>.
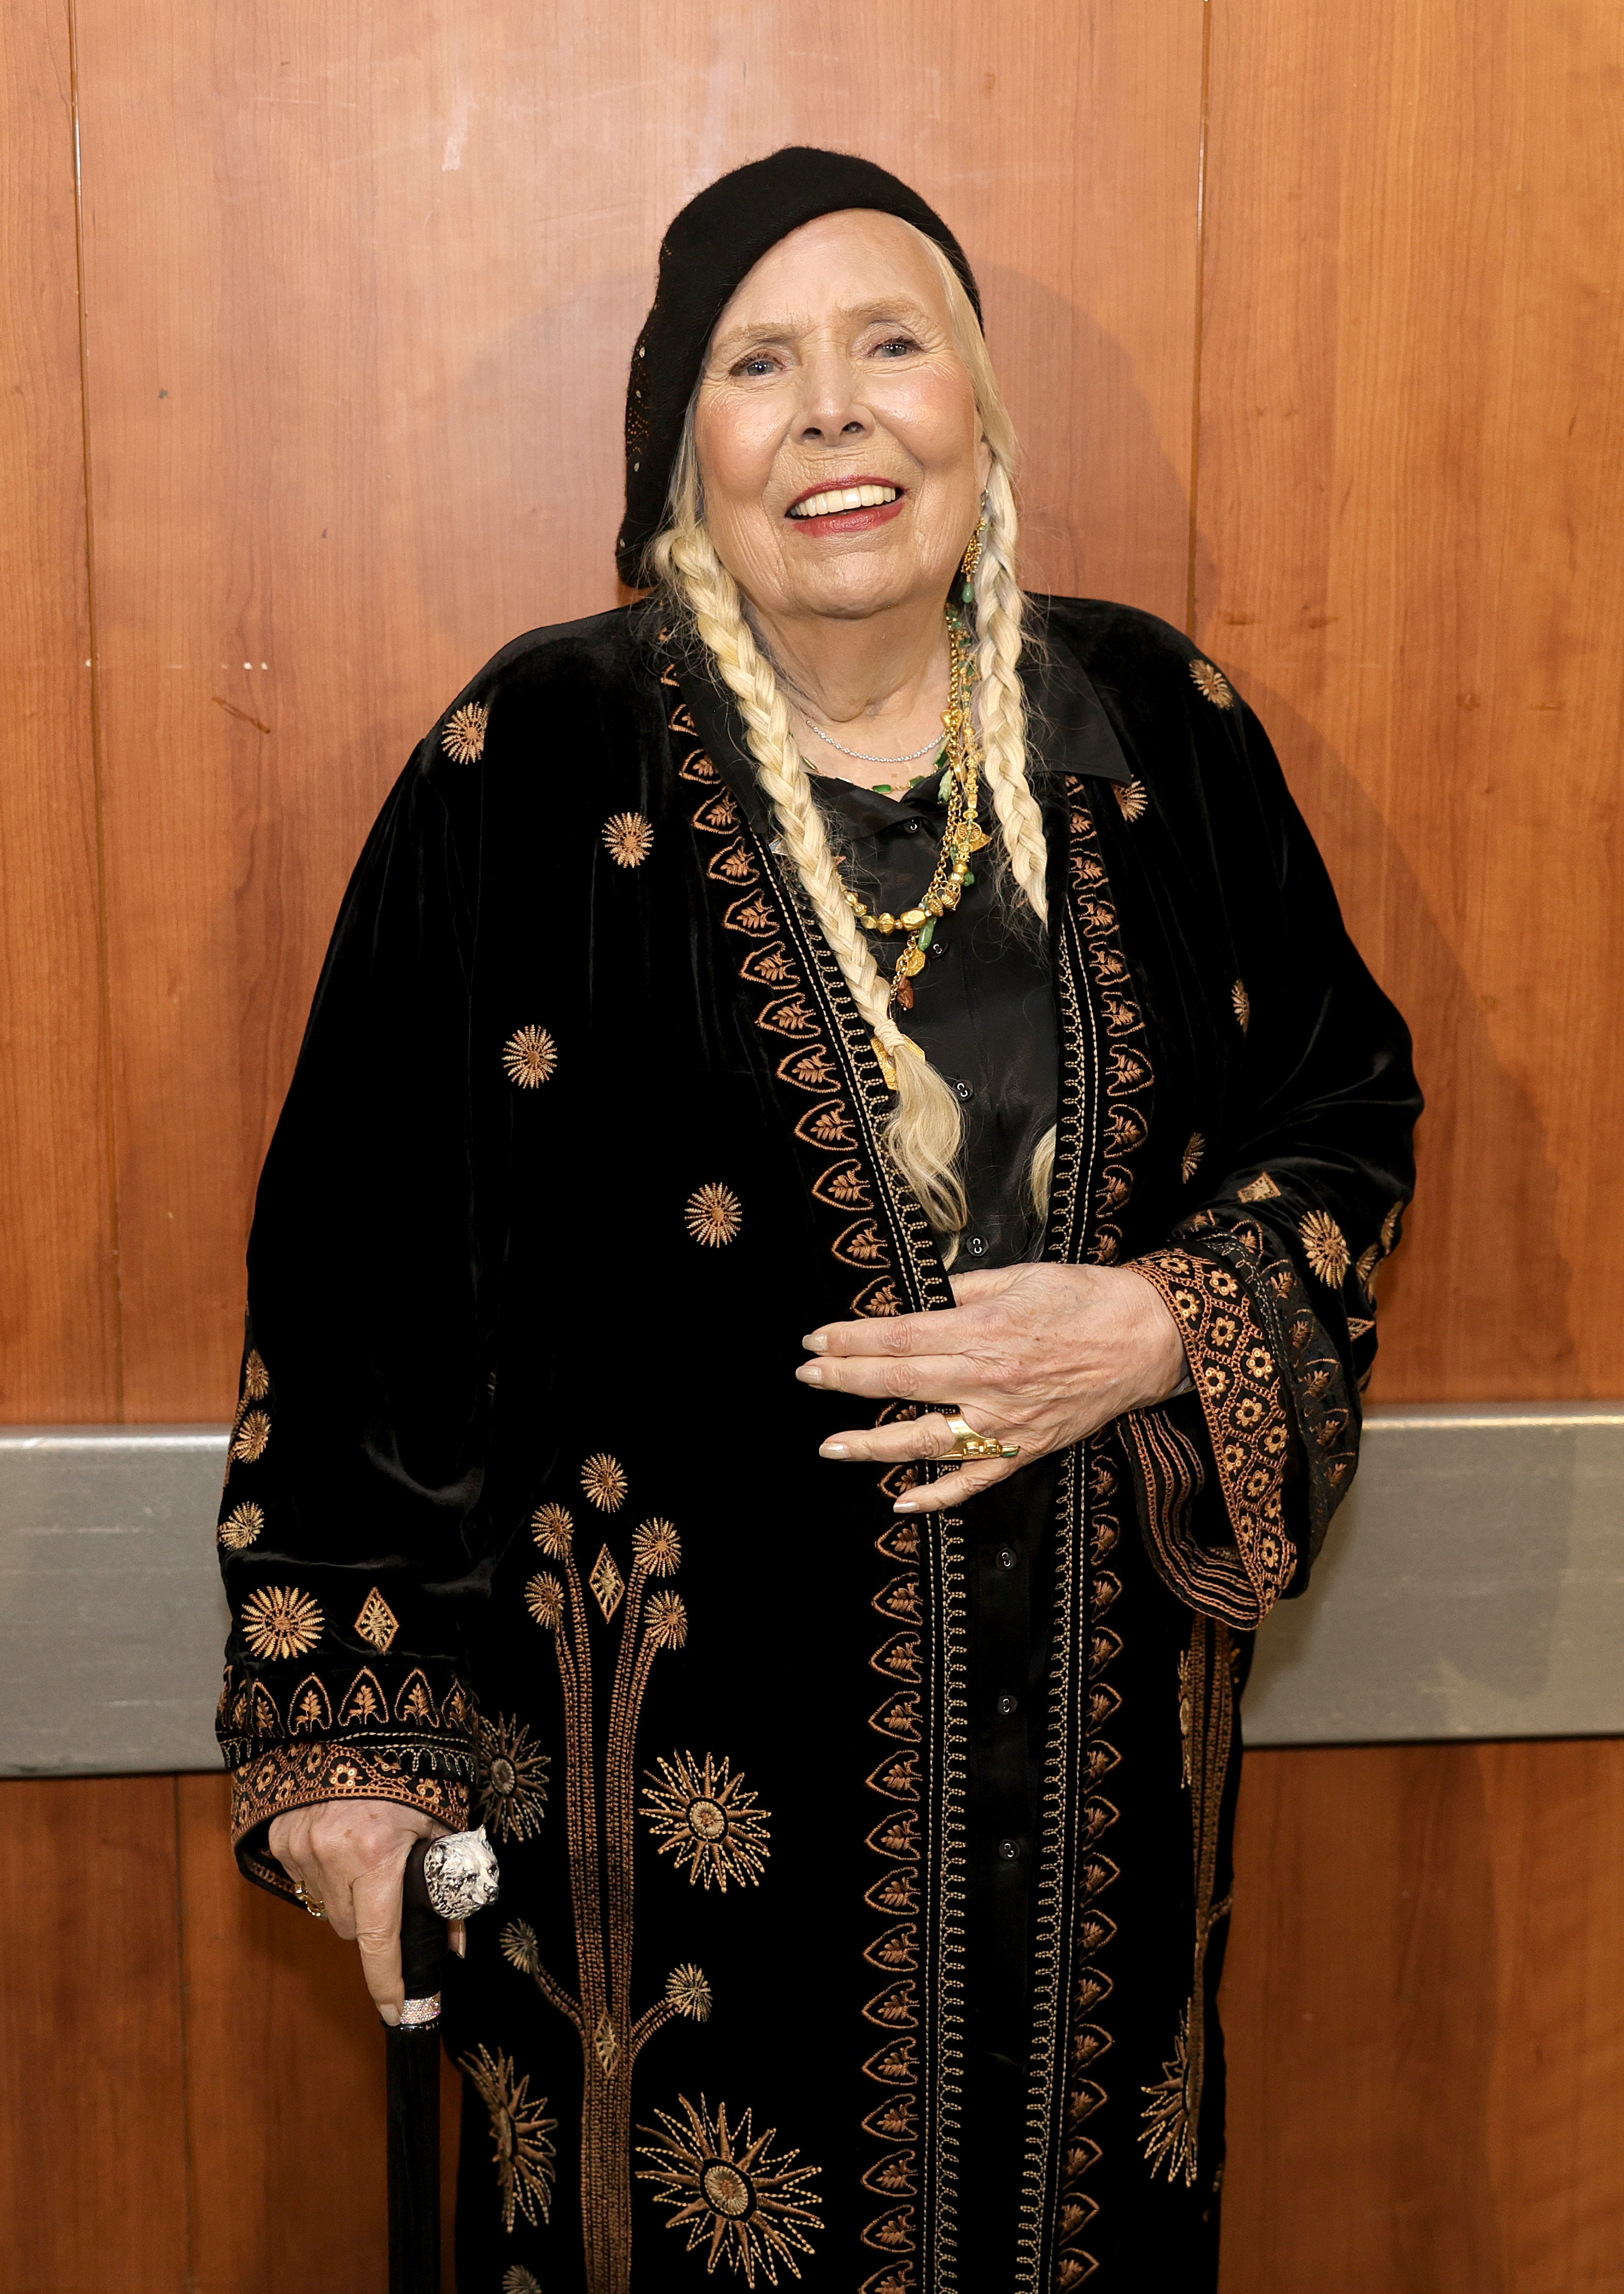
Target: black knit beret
<point x="718" y="238"/>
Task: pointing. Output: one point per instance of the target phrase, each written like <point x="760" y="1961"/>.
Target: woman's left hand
<point x="1036" y="1355"/>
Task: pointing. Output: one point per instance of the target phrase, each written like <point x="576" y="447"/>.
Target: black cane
<point x="413" y="2046"/>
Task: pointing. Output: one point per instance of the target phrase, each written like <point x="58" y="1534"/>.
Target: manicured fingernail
<point x="390" y="2015"/>
<point x="906" y="1505"/>
<point x="833" y="1450"/>
<point x="810" y="1373"/>
<point x="816" y="1344"/>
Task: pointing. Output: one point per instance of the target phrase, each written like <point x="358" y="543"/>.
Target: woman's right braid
<point x="1002" y="712"/>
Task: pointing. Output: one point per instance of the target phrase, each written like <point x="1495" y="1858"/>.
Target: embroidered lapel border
<point x="836" y="1105"/>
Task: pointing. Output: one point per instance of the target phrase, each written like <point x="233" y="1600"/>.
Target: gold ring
<point x="313" y="1904"/>
<point x="968" y="1443"/>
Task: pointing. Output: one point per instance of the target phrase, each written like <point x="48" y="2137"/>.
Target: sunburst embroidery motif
<point x="520" y="2280"/>
<point x="1390" y="1224"/>
<point x="688" y="1990"/>
<point x="522" y="2132"/>
<point x="464" y="738"/>
<point x="256" y="1378"/>
<point x="735" y="2197"/>
<point x="667" y="1620"/>
<point x="1368" y="1261"/>
<point x="529" y="1057"/>
<point x="603" y="1480"/>
<point x="512" y="1780"/>
<point x="656" y="1545"/>
<point x="1242" y="1002"/>
<point x="706" y="1821"/>
<point x="281" y="1621"/>
<point x="377" y="1622"/>
<point x="1325" y="1246"/>
<point x="713" y="1215"/>
<point x="253" y="1432"/>
<point x="1213" y="684"/>
<point x="628" y="838"/>
<point x="240" y="1527"/>
<point x="1189" y="1162"/>
<point x="553" y="1527"/>
<point x="1132" y="800"/>
<point x="544" y="1598"/>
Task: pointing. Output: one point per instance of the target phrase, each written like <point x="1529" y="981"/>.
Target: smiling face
<point x="839" y="444"/>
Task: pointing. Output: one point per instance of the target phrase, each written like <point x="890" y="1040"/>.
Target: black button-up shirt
<point x="983" y="1006"/>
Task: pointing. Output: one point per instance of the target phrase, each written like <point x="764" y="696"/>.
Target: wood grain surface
<point x="1424" y="2010"/>
<point x="93" y="2100"/>
<point x="1412" y="487"/>
<point x="362" y="285"/>
<point x="284" y="2081"/>
<point x="58" y="1355"/>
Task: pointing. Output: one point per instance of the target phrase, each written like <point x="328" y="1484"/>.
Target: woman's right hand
<point x="349" y="1857"/>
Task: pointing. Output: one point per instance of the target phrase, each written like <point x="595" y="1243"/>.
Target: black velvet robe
<point x="524" y="1510"/>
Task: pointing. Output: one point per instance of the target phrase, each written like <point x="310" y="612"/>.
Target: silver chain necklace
<point x="860" y="756"/>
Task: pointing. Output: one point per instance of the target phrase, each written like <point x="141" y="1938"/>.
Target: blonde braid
<point x="1002" y="708"/>
<point x="925" y="1134"/>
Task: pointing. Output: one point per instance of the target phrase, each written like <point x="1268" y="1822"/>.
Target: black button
<point x="1006" y="1557"/>
<point x="1006" y="1706"/>
<point x="911" y="826"/>
<point x="1009" y="1849"/>
<point x="938" y="946"/>
<point x="963" y="1090"/>
<point x="976" y="1244"/>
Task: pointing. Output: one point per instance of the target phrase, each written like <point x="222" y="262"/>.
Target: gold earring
<point x="971" y="560"/>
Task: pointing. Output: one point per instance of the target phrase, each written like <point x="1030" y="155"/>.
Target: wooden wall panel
<point x="362" y="284"/>
<point x="1411" y="488"/>
<point x="1425" y="2004"/>
<point x="285" y="2082"/>
<point x="93" y="2104"/>
<point x="58" y="1340"/>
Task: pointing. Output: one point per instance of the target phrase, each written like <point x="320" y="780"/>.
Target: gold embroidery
<point x="256" y="1378"/>
<point x="530" y="1057"/>
<point x="706" y="1821"/>
<point x="552" y="1527"/>
<point x="464" y="738"/>
<point x="1242" y="1002"/>
<point x="1213" y="685"/>
<point x="603" y="1480"/>
<point x="291" y="1775"/>
<point x="607" y="1584"/>
<point x="599" y="1819"/>
<point x="520" y="2280"/>
<point x="415" y="1703"/>
<point x="1243" y="1394"/>
<point x="1189" y="1162"/>
<point x="1358" y="1327"/>
<point x="1390" y="1224"/>
<point x="1092" y="1983"/>
<point x="1260" y="1189"/>
<point x="1206" y="1726"/>
<point x="628" y="839"/>
<point x="253" y="1433"/>
<point x="1324" y="1246"/>
<point x="738" y="2200"/>
<point x="240" y="1527"/>
<point x="521" y="2131"/>
<point x="1133" y="799"/>
<point x="364" y="1702"/>
<point x="279" y="1620"/>
<point x="512" y="1780"/>
<point x="713" y="1214"/>
<point x="1128" y="1080"/>
<point x="310" y="1707"/>
<point x="377" y="1622"/>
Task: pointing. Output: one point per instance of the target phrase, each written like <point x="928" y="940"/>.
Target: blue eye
<point x="898" y="346"/>
<point x="760" y="364"/>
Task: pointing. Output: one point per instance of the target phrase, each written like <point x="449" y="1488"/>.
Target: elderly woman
<point x="809" y="1293"/>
